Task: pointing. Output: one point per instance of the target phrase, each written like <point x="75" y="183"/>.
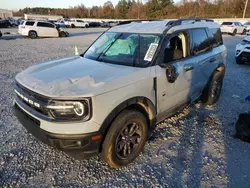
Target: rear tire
<point x="234" y="32"/>
<point x="32" y="35"/>
<point x="62" y="34"/>
<point x="212" y="91"/>
<point x="125" y="139"/>
<point x="73" y="26"/>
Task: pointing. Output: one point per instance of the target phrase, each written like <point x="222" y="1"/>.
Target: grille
<point x="35" y="98"/>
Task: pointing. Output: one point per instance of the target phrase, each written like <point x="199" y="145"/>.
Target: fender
<point x="142" y="104"/>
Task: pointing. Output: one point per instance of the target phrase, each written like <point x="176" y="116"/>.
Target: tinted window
<point x="79" y="20"/>
<point x="227" y="23"/>
<point x="44" y="24"/>
<point x="29" y="23"/>
<point x="200" y="41"/>
<point x="215" y="37"/>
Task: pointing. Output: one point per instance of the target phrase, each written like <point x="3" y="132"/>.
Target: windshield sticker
<point x="151" y="52"/>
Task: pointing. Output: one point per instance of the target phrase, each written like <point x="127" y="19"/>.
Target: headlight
<point x="69" y="110"/>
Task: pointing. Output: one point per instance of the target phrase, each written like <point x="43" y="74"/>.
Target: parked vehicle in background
<point x="60" y="23"/>
<point x="34" y="29"/>
<point x="242" y="51"/>
<point x="247" y="26"/>
<point x="233" y="28"/>
<point x="104" y="24"/>
<point x="14" y="23"/>
<point x="94" y="24"/>
<point x="1" y="34"/>
<point x="75" y="23"/>
<point x="5" y="24"/>
<point x="108" y="24"/>
<point x="109" y="99"/>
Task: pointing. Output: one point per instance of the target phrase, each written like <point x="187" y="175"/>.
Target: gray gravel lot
<point x="194" y="148"/>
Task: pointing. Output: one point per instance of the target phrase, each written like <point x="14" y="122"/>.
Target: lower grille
<point x="244" y="56"/>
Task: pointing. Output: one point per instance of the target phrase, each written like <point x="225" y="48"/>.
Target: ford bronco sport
<point x="109" y="99"/>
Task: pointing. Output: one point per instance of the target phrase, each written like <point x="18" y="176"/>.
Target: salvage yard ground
<point x="194" y="148"/>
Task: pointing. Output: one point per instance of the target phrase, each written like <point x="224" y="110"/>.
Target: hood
<point x="78" y="76"/>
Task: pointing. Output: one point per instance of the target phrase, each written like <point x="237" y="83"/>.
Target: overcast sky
<point x="17" y="4"/>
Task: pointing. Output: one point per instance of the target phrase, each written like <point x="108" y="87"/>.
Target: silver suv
<point x="109" y="99"/>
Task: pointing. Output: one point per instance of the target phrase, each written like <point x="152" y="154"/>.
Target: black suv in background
<point x="5" y="24"/>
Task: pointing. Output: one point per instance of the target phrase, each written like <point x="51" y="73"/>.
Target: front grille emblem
<point x="27" y="100"/>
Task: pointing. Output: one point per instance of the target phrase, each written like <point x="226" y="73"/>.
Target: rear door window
<point x="200" y="41"/>
<point x="44" y="24"/>
<point x="29" y="23"/>
<point x="215" y="37"/>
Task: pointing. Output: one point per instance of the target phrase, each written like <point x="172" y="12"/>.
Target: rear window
<point x="29" y="23"/>
<point x="215" y="37"/>
<point x="200" y="41"/>
<point x="44" y="24"/>
<point x="227" y="23"/>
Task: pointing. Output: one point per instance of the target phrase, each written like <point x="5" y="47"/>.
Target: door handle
<point x="212" y="60"/>
<point x="188" y="67"/>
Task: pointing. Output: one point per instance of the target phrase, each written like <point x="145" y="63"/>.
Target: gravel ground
<point x="194" y="148"/>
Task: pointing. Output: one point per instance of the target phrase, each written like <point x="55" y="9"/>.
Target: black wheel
<point x="125" y="139"/>
<point x="73" y="26"/>
<point x="234" y="33"/>
<point x="62" y="34"/>
<point x="212" y="91"/>
<point x="244" y="32"/>
<point x="1" y="34"/>
<point x="32" y="35"/>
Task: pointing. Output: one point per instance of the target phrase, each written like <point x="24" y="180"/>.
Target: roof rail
<point x="187" y="20"/>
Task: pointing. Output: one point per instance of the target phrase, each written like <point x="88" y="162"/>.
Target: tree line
<point x="152" y="9"/>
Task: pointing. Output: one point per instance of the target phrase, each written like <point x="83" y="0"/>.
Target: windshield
<point x="124" y="49"/>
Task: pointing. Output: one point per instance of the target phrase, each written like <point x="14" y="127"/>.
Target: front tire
<point x="32" y="35"/>
<point x="212" y="91"/>
<point x="125" y="139"/>
<point x="73" y="26"/>
<point x="244" y="32"/>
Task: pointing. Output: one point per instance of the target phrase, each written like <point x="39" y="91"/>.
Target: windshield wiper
<point x="108" y="47"/>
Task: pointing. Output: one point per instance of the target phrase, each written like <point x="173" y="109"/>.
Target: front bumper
<point x="76" y="145"/>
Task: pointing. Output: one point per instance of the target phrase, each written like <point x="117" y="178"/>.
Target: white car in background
<point x="34" y="29"/>
<point x="233" y="28"/>
<point x="247" y="26"/>
<point x="242" y="52"/>
<point x="76" y="23"/>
